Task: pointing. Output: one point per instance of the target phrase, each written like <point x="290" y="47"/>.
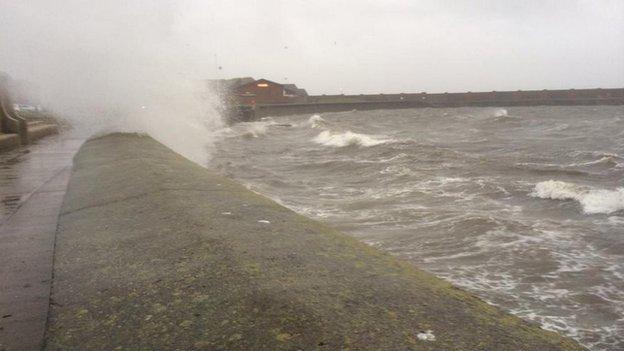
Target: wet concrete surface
<point x="33" y="181"/>
<point x="154" y="252"/>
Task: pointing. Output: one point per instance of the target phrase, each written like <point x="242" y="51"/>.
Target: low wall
<point x="307" y="108"/>
<point x="529" y="97"/>
<point x="154" y="252"/>
<point x="39" y="131"/>
<point x="10" y="121"/>
<point x="15" y="130"/>
<point x="336" y="103"/>
<point x="9" y="141"/>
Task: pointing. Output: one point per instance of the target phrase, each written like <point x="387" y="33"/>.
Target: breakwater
<point x="337" y="103"/>
<point x="156" y="252"/>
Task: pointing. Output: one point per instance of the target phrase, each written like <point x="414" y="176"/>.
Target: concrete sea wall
<point x="154" y="252"/>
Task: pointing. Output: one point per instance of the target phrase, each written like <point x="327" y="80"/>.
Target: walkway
<point x="33" y="180"/>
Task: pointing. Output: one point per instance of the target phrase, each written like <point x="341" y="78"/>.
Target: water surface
<point x="522" y="206"/>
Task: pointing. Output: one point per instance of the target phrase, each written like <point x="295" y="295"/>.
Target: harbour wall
<point x="336" y="103"/>
<point x="155" y="252"/>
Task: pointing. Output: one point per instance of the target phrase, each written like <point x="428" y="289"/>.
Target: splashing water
<point x="90" y="71"/>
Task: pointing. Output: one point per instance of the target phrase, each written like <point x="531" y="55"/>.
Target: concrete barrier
<point x="154" y="252"/>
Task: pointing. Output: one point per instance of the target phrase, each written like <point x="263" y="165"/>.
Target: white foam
<point x="500" y="113"/>
<point x="316" y="121"/>
<point x="607" y="159"/>
<point x="615" y="220"/>
<point x="253" y="129"/>
<point x="559" y="127"/>
<point x="426" y="336"/>
<point x="593" y="200"/>
<point x="256" y="129"/>
<point x="348" y="138"/>
<point x="397" y="170"/>
<point x="393" y="158"/>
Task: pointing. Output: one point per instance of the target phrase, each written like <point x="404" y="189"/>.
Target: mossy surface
<point x="156" y="253"/>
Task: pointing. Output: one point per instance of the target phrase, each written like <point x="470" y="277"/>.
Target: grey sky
<point x="324" y="46"/>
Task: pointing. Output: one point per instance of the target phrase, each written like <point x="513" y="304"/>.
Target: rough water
<point x="522" y="206"/>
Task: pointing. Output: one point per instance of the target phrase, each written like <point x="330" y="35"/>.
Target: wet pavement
<point x="33" y="181"/>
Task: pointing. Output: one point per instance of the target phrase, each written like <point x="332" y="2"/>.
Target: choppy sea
<point x="522" y="206"/>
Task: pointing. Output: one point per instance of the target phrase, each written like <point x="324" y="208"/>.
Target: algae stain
<point x="115" y="299"/>
<point x="253" y="268"/>
<point x="82" y="313"/>
<point x="112" y="320"/>
<point x="186" y="324"/>
<point x="202" y="343"/>
<point x="158" y="308"/>
<point x="201" y="298"/>
<point x="235" y="337"/>
<point x="283" y="337"/>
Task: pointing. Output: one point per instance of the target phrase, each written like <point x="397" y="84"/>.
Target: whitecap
<point x="316" y="121"/>
<point x="348" y="138"/>
<point x="254" y="129"/>
<point x="592" y="200"/>
<point x="501" y="112"/>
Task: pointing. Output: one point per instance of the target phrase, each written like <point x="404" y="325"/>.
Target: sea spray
<point x="104" y="67"/>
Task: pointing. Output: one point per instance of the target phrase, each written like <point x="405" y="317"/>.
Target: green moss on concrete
<point x="155" y="252"/>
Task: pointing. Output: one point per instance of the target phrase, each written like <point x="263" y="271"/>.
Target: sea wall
<point x="335" y="103"/>
<point x="154" y="252"/>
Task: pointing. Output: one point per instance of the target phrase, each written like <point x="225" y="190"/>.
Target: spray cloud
<point x="114" y="66"/>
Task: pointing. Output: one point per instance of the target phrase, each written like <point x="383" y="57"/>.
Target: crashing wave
<point x="592" y="200"/>
<point x="316" y="121"/>
<point x="348" y="138"/>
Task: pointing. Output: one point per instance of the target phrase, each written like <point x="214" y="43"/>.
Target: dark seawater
<point x="522" y="206"/>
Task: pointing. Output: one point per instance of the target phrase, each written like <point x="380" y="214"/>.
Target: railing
<point x="11" y="122"/>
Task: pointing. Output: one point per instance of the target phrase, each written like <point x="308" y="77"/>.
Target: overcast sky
<point x="327" y="47"/>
